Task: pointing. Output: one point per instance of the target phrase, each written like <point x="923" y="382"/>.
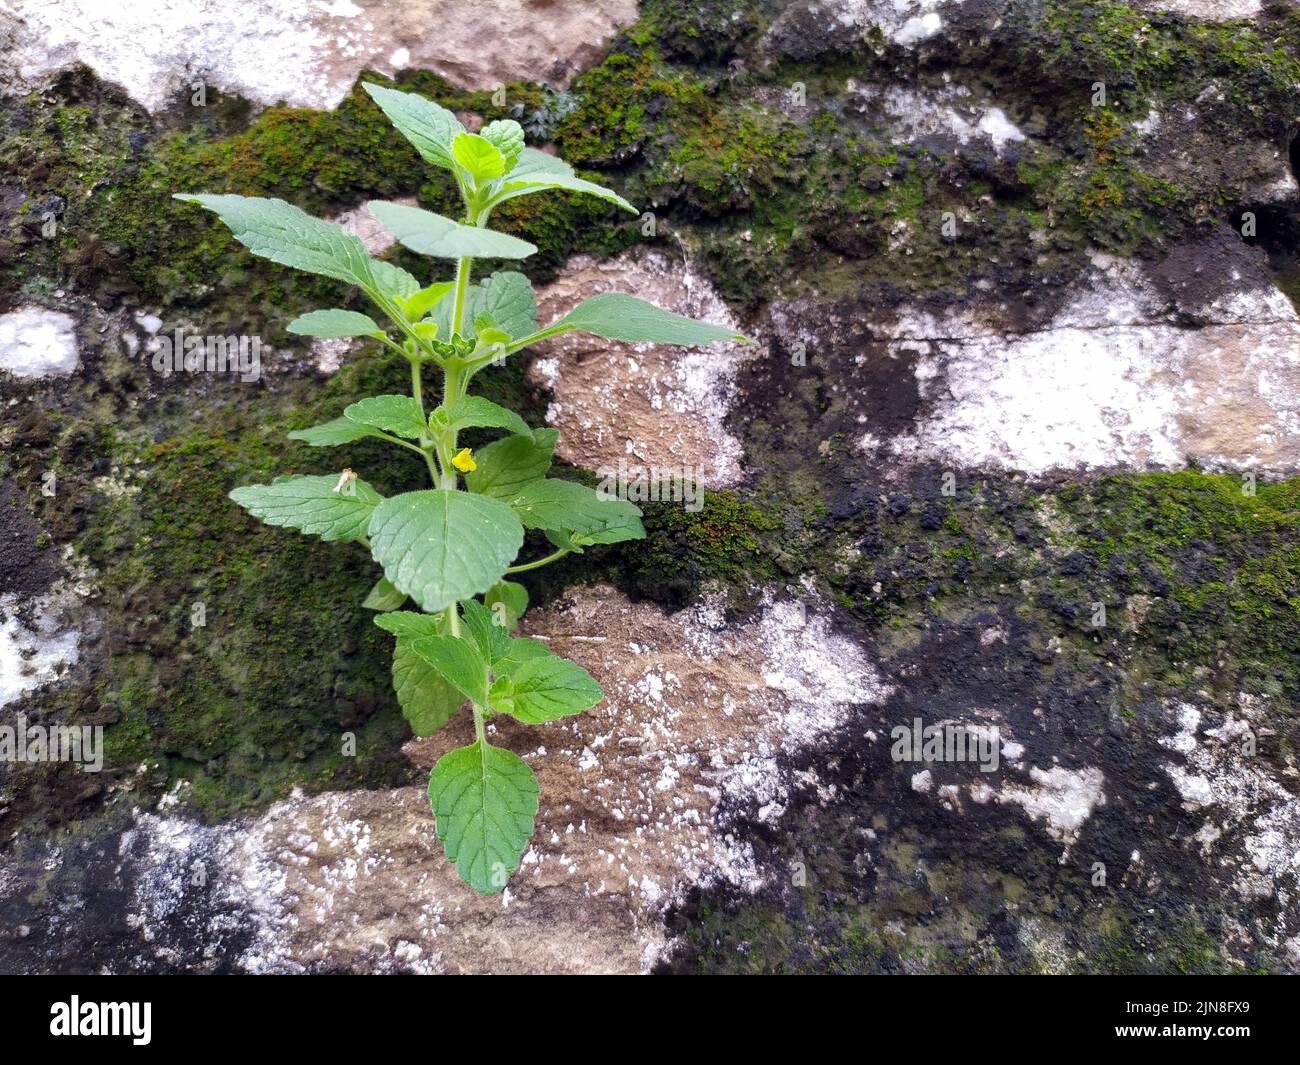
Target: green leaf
<point x="505" y="466"/>
<point x="431" y="234"/>
<point x="507" y="600"/>
<point x="537" y="171"/>
<point x="422" y="302"/>
<point x="491" y="639"/>
<point x="626" y="528"/>
<point x="393" y="281"/>
<point x="508" y="136"/>
<point x="522" y="649"/>
<point x="393" y="414"/>
<point x="313" y="505"/>
<point x="459" y="662"/>
<point x="475" y="412"/>
<point x="440" y="546"/>
<point x="422" y="122"/>
<point x="484" y="799"/>
<point x="285" y="234"/>
<point x="544" y="689"/>
<point x="335" y="323"/>
<point x="428" y="701"/>
<point x="556" y="504"/>
<point x="383" y="596"/>
<point x="331" y="434"/>
<point x="617" y="316"/>
<point x="506" y="297"/>
<point x="480" y="158"/>
<point x="408" y="625"/>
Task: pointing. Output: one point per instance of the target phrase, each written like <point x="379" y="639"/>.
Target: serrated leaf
<point x="484" y="799"/>
<point x="394" y="414"/>
<point x="508" y="136"/>
<point x="505" y="296"/>
<point x="507" y="600"/>
<point x="440" y="546"/>
<point x="508" y="297"/>
<point x="393" y="281"/>
<point x="556" y="504"/>
<point x="422" y="302"/>
<point x="459" y="662"/>
<point x="480" y="158"/>
<point x="491" y="639"/>
<point x="383" y="596"/>
<point x="426" y="125"/>
<point x="408" y="625"/>
<point x="547" y="688"/>
<point x="522" y="649"/>
<point x="334" y="323"/>
<point x="476" y="412"/>
<point x="428" y="701"/>
<point x="626" y="528"/>
<point x="537" y="171"/>
<point x="629" y="529"/>
<point x="505" y="466"/>
<point x="617" y="316"/>
<point x="333" y="433"/>
<point x="311" y="504"/>
<point x="431" y="234"/>
<point x="275" y="230"/>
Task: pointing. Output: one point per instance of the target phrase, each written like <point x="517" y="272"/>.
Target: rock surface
<point x="637" y="799"/>
<point x="307" y="55"/>
<point x="35" y="342"/>
<point x="647" y="406"/>
<point x="1019" y="433"/>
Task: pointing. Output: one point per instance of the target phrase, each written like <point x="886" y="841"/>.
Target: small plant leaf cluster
<point x="444" y="547"/>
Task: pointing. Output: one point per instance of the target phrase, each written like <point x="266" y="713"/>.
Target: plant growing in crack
<point x="445" y="546"/>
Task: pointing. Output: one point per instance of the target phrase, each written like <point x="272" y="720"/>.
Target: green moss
<point x="1184" y="948"/>
<point x="1225" y="566"/>
<point x="260" y="697"/>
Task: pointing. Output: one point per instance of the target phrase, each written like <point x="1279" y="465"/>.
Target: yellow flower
<point x="464" y="460"/>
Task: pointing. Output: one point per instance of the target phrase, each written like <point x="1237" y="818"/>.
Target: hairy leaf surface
<point x="393" y="414"/>
<point x="333" y="433"/>
<point x="440" y="546"/>
<point x="334" y="322"/>
<point x="484" y="799"/>
<point x="286" y="234"/>
<point x="505" y="466"/>
<point x="476" y="412"/>
<point x="618" y="316"/>
<point x="537" y="171"/>
<point x="426" y="125"/>
<point x="556" y="504"/>
<point x="431" y="234"/>
<point x="427" y="699"/>
<point x="310" y="503"/>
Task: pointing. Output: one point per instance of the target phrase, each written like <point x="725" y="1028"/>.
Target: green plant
<point x="444" y="546"/>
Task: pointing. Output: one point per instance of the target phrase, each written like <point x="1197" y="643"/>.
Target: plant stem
<point x="417" y="390"/>
<point x="540" y="562"/>
<point x="462" y="288"/>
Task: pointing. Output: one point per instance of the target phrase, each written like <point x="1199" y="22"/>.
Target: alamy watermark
<point x="21" y="742"/>
<point x="948" y="741"/>
<point x="182" y="353"/>
<point x="651" y="484"/>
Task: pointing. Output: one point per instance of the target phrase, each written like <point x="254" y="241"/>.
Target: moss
<point x="260" y="696"/>
<point x="1223" y="565"/>
<point x="1180" y="946"/>
<point x="703" y="31"/>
